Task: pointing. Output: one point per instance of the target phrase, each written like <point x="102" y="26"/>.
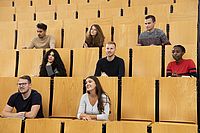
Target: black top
<point x="111" y="68"/>
<point x="21" y="105"/>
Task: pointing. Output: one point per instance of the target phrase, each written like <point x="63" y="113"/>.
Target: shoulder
<point x="119" y="59"/>
<point x="143" y="34"/>
<point x="35" y="93"/>
<point x="105" y="97"/>
<point x="189" y="61"/>
<point x="84" y="96"/>
<point x="171" y="63"/>
<point x="158" y="31"/>
<point x="102" y="59"/>
<point x="14" y="95"/>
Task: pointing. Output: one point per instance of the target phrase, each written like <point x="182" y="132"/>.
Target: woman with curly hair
<point x="95" y="104"/>
<point x="94" y="37"/>
<point x="52" y="65"/>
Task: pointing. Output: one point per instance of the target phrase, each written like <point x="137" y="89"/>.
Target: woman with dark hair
<point x="95" y="104"/>
<point x="94" y="37"/>
<point x="52" y="65"/>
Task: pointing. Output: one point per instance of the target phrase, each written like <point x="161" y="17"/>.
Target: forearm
<point x="6" y="114"/>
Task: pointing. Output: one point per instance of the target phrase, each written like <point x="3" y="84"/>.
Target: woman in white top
<point x="95" y="103"/>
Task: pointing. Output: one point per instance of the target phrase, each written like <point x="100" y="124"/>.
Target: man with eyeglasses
<point x="27" y="102"/>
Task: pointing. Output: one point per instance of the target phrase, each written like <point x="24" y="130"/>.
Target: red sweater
<point x="186" y="67"/>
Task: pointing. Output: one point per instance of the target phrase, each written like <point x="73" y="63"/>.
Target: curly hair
<point x="99" y="92"/>
<point x="96" y="41"/>
<point x="57" y="63"/>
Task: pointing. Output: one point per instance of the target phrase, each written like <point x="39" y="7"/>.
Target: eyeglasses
<point x="22" y="84"/>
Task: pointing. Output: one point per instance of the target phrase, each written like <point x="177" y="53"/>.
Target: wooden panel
<point x="178" y="100"/>
<point x="188" y="35"/>
<point x="146" y="61"/>
<point x="138" y="99"/>
<point x="67" y="95"/>
<point x="42" y="85"/>
<point x="42" y="125"/>
<point x="174" y="128"/>
<point x="30" y="61"/>
<point x="74" y="33"/>
<point x="122" y="53"/>
<point x="110" y="86"/>
<point x="7" y="13"/>
<point x="7" y="88"/>
<point x="8" y="65"/>
<point x="8" y="125"/>
<point x="7" y="35"/>
<point x="77" y="126"/>
<point x="126" y="127"/>
<point x="84" y="61"/>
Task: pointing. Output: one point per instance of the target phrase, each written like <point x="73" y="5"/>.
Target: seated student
<point x="42" y="40"/>
<point x="94" y="37"/>
<point x="152" y="36"/>
<point x="95" y="104"/>
<point x="27" y="102"/>
<point x="180" y="67"/>
<point x="111" y="65"/>
<point x="52" y="65"/>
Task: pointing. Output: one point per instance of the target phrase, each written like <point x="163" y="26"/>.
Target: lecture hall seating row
<point x="144" y="99"/>
<point x="75" y="126"/>
<point x="139" y="61"/>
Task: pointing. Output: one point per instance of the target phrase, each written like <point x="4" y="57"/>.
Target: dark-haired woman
<point x="52" y="65"/>
<point x="95" y="104"/>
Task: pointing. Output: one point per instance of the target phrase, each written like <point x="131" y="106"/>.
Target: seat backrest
<point x="7" y="35"/>
<point x="77" y="126"/>
<point x="8" y="66"/>
<point x="146" y="61"/>
<point x="10" y="125"/>
<point x="126" y="127"/>
<point x="74" y="33"/>
<point x="178" y="100"/>
<point x="7" y="88"/>
<point x="110" y="86"/>
<point x="84" y="61"/>
<point x="163" y="127"/>
<point x="138" y="99"/>
<point x="42" y="125"/>
<point x="67" y="95"/>
<point x="42" y="85"/>
<point x="30" y="61"/>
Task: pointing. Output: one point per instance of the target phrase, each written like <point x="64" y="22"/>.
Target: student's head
<point x="150" y="22"/>
<point x="52" y="56"/>
<point x="92" y="84"/>
<point x="95" y="30"/>
<point x="24" y="84"/>
<point x="41" y="29"/>
<point x="110" y="49"/>
<point x="177" y="52"/>
<point x="94" y="36"/>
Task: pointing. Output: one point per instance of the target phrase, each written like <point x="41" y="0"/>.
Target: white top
<point x="87" y="108"/>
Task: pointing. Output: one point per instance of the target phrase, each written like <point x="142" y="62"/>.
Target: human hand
<point x="104" y="74"/>
<point x="48" y="64"/>
<point x="85" y="45"/>
<point x="20" y="115"/>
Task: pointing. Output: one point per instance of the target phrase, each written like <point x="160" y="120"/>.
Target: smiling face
<point x="23" y="86"/>
<point x="149" y="24"/>
<point x="90" y="84"/>
<point x="93" y="31"/>
<point x="51" y="57"/>
<point x="110" y="50"/>
<point x="177" y="53"/>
